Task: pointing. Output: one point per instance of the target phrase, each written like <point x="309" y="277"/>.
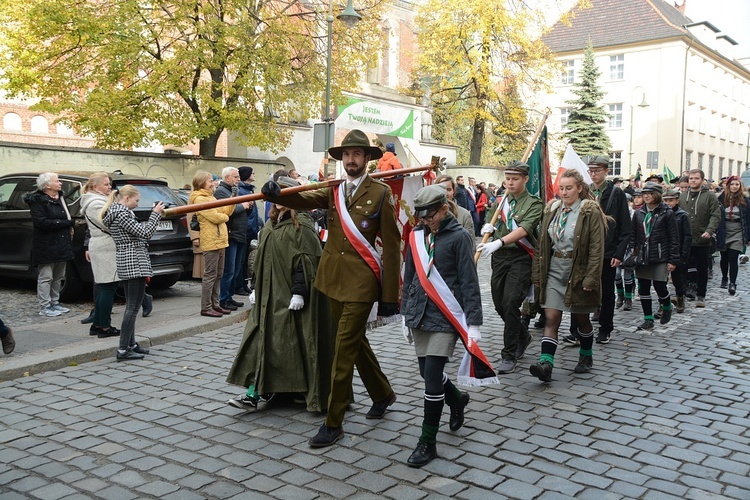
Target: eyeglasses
<point x="595" y="170"/>
<point x="431" y="217"/>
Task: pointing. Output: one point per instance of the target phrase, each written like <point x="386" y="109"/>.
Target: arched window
<point x="63" y="129"/>
<point x="11" y="121"/>
<point x="39" y="125"/>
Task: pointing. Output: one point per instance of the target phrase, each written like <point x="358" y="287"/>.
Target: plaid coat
<point x="131" y="241"/>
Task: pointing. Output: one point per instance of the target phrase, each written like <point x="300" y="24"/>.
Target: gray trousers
<point x="49" y="283"/>
<point x="213" y="267"/>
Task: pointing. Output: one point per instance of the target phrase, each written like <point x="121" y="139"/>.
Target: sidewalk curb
<point x="85" y="352"/>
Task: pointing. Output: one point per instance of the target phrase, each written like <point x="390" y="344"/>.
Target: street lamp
<point x="350" y="17"/>
<point x="643" y="104"/>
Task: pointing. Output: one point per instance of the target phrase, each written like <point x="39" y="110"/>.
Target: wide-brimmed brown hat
<point x="356" y="139"/>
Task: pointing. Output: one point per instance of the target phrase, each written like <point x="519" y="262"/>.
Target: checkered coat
<point x="131" y="240"/>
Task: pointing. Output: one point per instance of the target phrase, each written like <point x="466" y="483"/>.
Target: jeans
<point x="233" y="256"/>
<point x="135" y="289"/>
<point x="49" y="283"/>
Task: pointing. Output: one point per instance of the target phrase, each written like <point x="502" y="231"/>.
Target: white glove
<point x="297" y="303"/>
<point x="487" y="229"/>
<point x="251" y="298"/>
<point x="489" y="248"/>
<point x="474" y="334"/>
<point x="406" y="331"/>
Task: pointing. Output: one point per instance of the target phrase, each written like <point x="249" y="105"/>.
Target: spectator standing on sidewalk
<point x="253" y="225"/>
<point x="235" y="252"/>
<point x="655" y="238"/>
<point x="512" y="249"/>
<point x="733" y="234"/>
<point x="50" y="246"/>
<point x="101" y="253"/>
<point x="685" y="238"/>
<point x="703" y="209"/>
<point x="353" y="274"/>
<point x="567" y="267"/>
<point x="133" y="262"/>
<point x="213" y="239"/>
<point x="434" y="336"/>
<point x="289" y="340"/>
<point x="614" y="204"/>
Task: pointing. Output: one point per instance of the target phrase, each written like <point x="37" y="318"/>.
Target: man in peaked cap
<point x="514" y="237"/>
<point x="614" y="204"/>
<point x="359" y="209"/>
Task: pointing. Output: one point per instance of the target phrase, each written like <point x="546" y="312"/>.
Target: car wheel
<point x="163" y="281"/>
<point x="72" y="287"/>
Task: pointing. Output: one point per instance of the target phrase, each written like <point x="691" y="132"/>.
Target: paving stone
<point x="333" y="488"/>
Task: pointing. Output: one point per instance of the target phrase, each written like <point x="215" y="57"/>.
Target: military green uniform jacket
<point x="704" y="212"/>
<point x="527" y="214"/>
<point x="344" y="276"/>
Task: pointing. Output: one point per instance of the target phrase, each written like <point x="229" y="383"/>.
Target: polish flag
<point x="571" y="160"/>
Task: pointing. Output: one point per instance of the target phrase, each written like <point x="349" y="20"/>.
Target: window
<point x="721" y="167"/>
<point x="731" y="166"/>
<point x="11" y="121"/>
<point x="615" y="115"/>
<point x="564" y="117"/>
<point x="568" y="72"/>
<point x="616" y="158"/>
<point x="688" y="159"/>
<point x="617" y="67"/>
<point x="700" y="160"/>
<point x="39" y="125"/>
<point x="652" y="160"/>
<point x="711" y="166"/>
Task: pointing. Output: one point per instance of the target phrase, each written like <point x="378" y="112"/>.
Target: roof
<point x="617" y="22"/>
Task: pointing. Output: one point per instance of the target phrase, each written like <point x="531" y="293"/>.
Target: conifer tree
<point x="587" y="118"/>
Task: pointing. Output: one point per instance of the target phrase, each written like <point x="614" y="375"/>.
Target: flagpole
<point x="526" y="154"/>
<point x="197" y="207"/>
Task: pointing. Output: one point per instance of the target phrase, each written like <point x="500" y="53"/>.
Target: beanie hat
<point x="245" y="173"/>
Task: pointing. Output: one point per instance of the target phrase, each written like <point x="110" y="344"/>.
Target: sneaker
<point x="571" y="339"/>
<point x="541" y="321"/>
<point x="109" y="332"/>
<point x="422" y="454"/>
<point x="666" y="315"/>
<point x="243" y="402"/>
<point x="326" y="436"/>
<point x="585" y="363"/>
<point x="648" y="324"/>
<point x="49" y="312"/>
<point x="507" y="366"/>
<point x="457" y="412"/>
<point x="542" y="371"/>
<point x="58" y="307"/>
<point x="88" y="319"/>
<point x="627" y="305"/>
<point x="379" y="407"/>
<point x="744" y="258"/>
<point x="9" y="343"/>
<point x="601" y="338"/>
<point x="700" y="302"/>
<point x="227" y="305"/>
<point x="724" y="283"/>
<point x="138" y="349"/>
<point x="235" y="303"/>
<point x="732" y="289"/>
<point x="128" y="355"/>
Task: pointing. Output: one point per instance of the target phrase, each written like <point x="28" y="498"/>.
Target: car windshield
<point x="151" y="193"/>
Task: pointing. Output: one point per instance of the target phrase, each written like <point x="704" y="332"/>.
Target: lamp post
<point x="350" y="17"/>
<point x="643" y="104"/>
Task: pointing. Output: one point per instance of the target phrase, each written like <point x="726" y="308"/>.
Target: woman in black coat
<point x="733" y="233"/>
<point x="654" y="236"/>
<point x="50" y="248"/>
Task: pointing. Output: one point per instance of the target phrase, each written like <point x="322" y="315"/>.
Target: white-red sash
<point x="524" y="242"/>
<point x="442" y="296"/>
<point x="358" y="241"/>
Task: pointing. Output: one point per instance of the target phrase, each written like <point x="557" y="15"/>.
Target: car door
<point x="15" y="225"/>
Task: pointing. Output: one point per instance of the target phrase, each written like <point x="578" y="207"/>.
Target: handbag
<point x="194" y="224"/>
<point x="629" y="261"/>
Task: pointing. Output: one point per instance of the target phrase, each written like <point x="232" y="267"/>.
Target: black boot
<point x="585" y="363"/>
<point x="457" y="412"/>
<point x="422" y="454"/>
<point x="542" y="371"/>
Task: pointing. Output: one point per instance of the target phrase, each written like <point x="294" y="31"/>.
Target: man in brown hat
<point x="353" y="275"/>
<point x="514" y="234"/>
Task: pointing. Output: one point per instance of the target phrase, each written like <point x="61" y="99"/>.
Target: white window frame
<point x="617" y="67"/>
<point x="615" y="115"/>
<point x="568" y="75"/>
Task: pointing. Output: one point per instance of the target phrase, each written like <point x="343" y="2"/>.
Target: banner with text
<point x="377" y="118"/>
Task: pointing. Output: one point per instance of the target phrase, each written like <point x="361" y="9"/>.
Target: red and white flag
<point x="571" y="160"/>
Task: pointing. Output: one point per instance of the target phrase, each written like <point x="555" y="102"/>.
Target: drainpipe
<point x="684" y="99"/>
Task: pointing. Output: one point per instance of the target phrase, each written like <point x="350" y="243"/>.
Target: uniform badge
<point x="369" y="202"/>
<point x="364" y="224"/>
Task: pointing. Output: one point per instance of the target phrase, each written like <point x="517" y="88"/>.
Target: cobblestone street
<point x="661" y="416"/>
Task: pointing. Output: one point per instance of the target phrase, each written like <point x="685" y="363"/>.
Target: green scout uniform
<point x="511" y="270"/>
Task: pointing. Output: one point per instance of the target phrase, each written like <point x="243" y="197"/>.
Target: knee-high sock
<point x="549" y="348"/>
<point x="587" y="342"/>
<point x="433" y="410"/>
<point x="452" y="394"/>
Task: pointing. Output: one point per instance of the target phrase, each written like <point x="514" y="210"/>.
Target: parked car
<point x="169" y="247"/>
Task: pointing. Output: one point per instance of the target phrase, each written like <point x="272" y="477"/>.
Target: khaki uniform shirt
<point x="527" y="214"/>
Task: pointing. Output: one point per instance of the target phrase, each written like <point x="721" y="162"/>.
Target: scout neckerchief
<point x="562" y="220"/>
<point x="355" y="237"/>
<point x="475" y="369"/>
<point x="648" y="222"/>
<point x="506" y="215"/>
<point x="430" y="244"/>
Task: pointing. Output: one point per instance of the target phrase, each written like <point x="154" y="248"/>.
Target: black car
<point x="169" y="248"/>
